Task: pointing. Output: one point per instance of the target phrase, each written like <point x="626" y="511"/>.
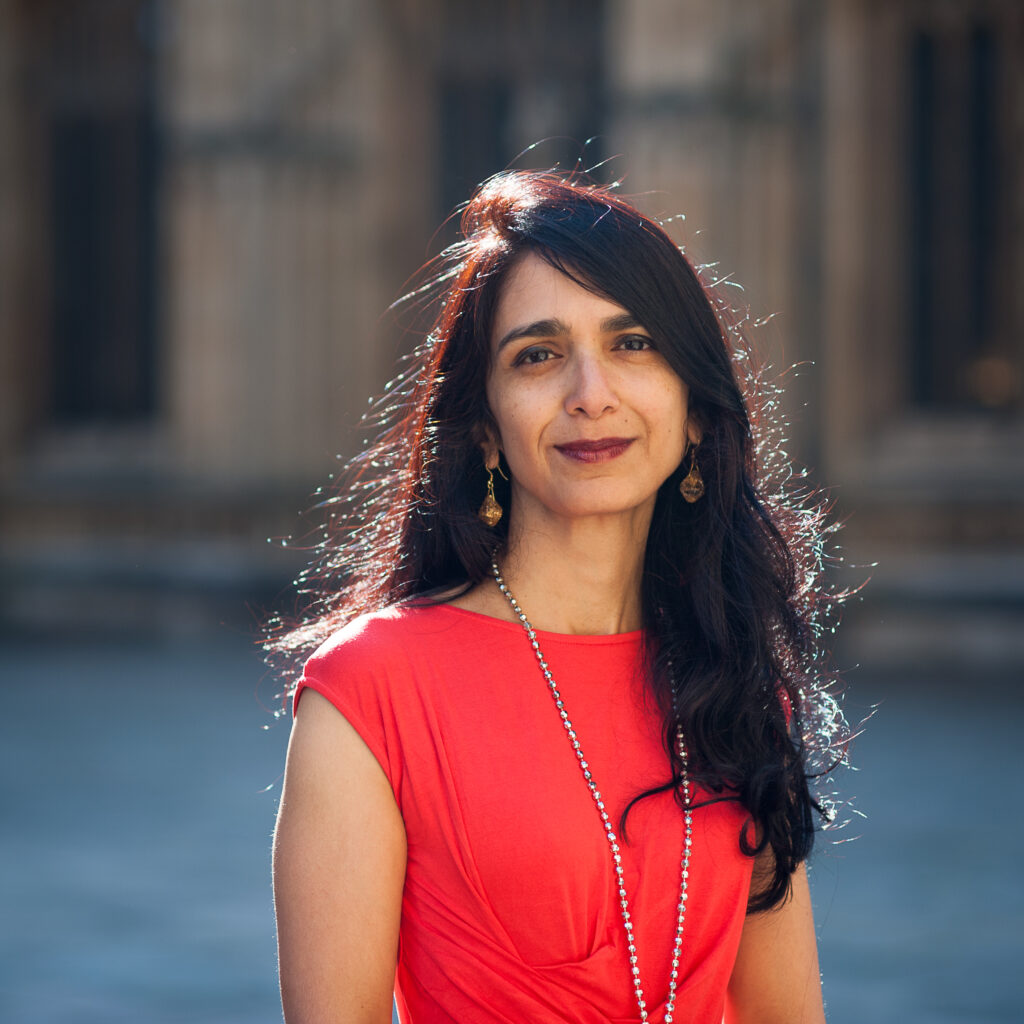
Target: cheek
<point x="507" y="418"/>
<point x="672" y="407"/>
<point x="516" y="413"/>
<point x="519" y="435"/>
<point x="671" y="429"/>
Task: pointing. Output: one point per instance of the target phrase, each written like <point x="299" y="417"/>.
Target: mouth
<point x="602" y="450"/>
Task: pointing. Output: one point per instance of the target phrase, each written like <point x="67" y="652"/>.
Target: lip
<point x="602" y="450"/>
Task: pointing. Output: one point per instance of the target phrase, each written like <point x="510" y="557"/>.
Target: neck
<point x="582" y="576"/>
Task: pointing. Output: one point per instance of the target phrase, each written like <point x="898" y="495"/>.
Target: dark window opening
<point x="103" y="161"/>
<point x="530" y="76"/>
<point x="953" y="197"/>
<point x="474" y="134"/>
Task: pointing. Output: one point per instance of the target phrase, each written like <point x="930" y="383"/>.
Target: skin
<point x="339" y="869"/>
<point x="568" y="366"/>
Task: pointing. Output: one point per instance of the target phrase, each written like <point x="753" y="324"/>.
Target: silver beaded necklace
<point x="609" y="831"/>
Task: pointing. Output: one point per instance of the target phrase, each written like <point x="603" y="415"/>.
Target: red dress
<point x="509" y="912"/>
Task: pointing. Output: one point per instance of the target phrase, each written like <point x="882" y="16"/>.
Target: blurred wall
<point x="209" y="206"/>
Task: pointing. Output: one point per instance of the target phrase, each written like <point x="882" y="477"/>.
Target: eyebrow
<point x="553" y="326"/>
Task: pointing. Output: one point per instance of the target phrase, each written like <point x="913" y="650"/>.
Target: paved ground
<point x="135" y="841"/>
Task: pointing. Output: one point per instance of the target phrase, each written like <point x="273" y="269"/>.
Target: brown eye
<point x="636" y="343"/>
<point x="533" y="356"/>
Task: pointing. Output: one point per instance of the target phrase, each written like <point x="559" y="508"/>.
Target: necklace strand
<point x="609" y="831"/>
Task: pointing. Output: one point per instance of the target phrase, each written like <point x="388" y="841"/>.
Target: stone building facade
<point x="207" y="207"/>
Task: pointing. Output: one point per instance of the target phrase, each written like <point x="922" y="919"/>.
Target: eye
<point x="533" y="356"/>
<point x="636" y="343"/>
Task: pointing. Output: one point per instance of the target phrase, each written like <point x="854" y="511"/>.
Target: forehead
<point x="535" y="290"/>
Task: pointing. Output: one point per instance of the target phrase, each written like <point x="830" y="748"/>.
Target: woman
<point x="551" y="756"/>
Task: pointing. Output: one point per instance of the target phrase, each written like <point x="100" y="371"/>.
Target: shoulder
<point x="371" y="670"/>
<point x="388" y="640"/>
<point x="370" y="635"/>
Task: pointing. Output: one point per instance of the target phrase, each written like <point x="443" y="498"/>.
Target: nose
<point x="592" y="391"/>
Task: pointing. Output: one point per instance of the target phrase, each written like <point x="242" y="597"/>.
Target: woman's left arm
<point x="776" y="979"/>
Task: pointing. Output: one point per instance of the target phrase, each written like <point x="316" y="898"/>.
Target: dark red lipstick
<point x="602" y="450"/>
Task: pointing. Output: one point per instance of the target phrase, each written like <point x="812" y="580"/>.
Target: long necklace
<point x="609" y="831"/>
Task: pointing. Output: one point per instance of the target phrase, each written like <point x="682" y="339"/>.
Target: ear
<point x="693" y="432"/>
<point x="485" y="437"/>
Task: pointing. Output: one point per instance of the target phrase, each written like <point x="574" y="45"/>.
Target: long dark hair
<point x="734" y="596"/>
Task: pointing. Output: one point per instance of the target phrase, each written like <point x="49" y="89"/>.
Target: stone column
<point x="295" y="208"/>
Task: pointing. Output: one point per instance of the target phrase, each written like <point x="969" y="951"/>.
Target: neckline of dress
<point x="631" y="638"/>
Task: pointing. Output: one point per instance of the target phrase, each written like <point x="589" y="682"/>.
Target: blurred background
<point x="206" y="209"/>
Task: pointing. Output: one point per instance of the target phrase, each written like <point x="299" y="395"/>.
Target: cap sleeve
<point x="351" y="671"/>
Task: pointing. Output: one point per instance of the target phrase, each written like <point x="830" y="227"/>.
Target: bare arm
<point x="776" y="978"/>
<point x="339" y="869"/>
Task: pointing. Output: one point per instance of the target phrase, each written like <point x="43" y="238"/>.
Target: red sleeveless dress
<point x="510" y="913"/>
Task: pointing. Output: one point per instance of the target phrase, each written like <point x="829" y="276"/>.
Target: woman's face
<point x="590" y="416"/>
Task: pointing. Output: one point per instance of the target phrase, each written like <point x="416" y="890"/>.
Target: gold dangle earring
<point x="691" y="487"/>
<point x="490" y="512"/>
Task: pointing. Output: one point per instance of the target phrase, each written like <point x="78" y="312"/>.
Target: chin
<point x="603" y="505"/>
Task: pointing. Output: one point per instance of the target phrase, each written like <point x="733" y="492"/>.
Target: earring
<point x="490" y="512"/>
<point x="691" y="487"/>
